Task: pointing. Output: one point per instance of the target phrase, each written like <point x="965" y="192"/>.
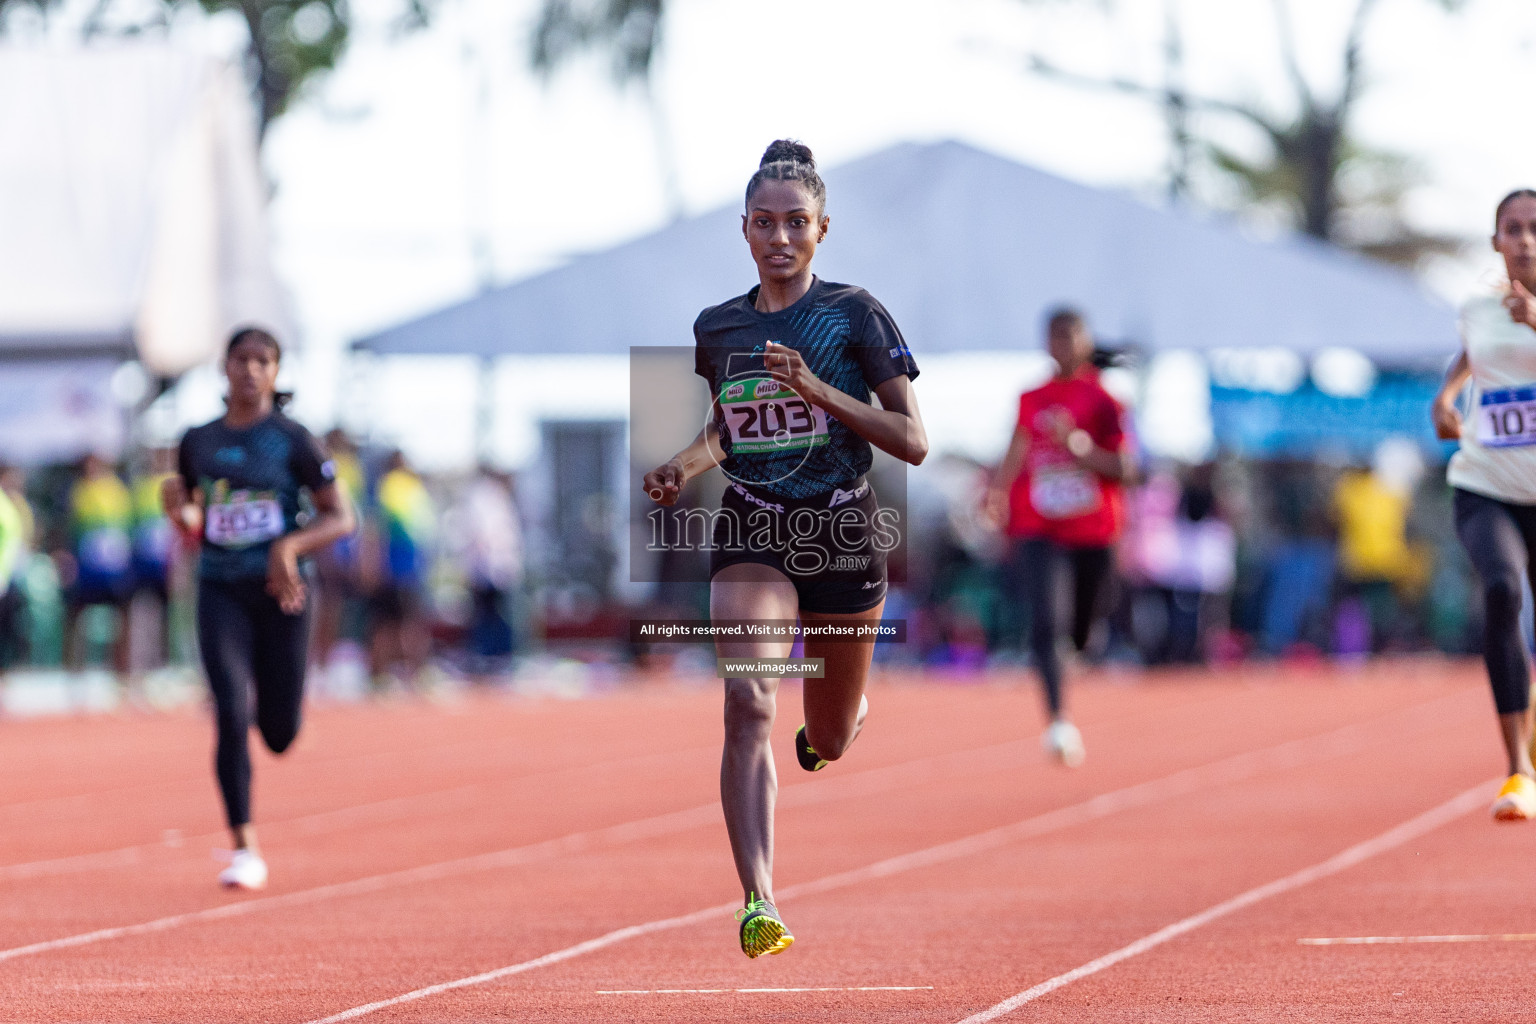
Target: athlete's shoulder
<point x="203" y="434"/>
<point x="1045" y="389"/>
<point x="1483" y="304"/>
<point x="280" y="420"/>
<point x="203" y="429"/>
<point x="731" y="313"/>
<point x="1482" y="312"/>
<point x="1091" y="384"/>
<point x="849" y="296"/>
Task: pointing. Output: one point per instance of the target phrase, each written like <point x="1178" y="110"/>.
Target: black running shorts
<point x="831" y="546"/>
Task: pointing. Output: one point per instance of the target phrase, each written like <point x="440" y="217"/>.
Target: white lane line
<point x="1389" y="840"/>
<point x="567" y="845"/>
<point x="717" y="991"/>
<point x="320" y="822"/>
<point x="854" y="785"/>
<point x="1229" y="770"/>
<point x="559" y="956"/>
<point x="126" y="856"/>
<point x="324" y="821"/>
<point x="1385" y="940"/>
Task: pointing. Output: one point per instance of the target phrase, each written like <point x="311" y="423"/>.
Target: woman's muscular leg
<point x="748" y="782"/>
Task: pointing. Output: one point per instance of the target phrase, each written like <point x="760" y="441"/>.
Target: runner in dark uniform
<point x="791" y="366"/>
<point x="254" y="487"/>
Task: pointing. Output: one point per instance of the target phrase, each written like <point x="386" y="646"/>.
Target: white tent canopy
<point x="132" y="205"/>
<point x="968" y="251"/>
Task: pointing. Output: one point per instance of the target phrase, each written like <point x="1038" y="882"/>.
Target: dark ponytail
<point x="788" y="160"/>
<point x="260" y="334"/>
<point x="1519" y="193"/>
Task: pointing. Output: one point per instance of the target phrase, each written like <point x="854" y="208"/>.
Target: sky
<point x="420" y="152"/>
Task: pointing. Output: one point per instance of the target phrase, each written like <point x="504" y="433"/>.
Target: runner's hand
<point x="183" y="512"/>
<point x="283" y="579"/>
<point x="664" y="484"/>
<point x="787" y="366"/>
<point x="994" y="507"/>
<point x="1447" y="418"/>
<point x="1521" y="304"/>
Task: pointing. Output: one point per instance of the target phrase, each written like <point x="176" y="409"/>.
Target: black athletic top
<point x="251" y="480"/>
<point x="775" y="441"/>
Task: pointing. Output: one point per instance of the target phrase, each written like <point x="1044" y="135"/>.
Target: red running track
<point x="540" y="860"/>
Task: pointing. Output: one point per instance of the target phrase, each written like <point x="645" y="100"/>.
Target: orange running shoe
<point x="1517" y="800"/>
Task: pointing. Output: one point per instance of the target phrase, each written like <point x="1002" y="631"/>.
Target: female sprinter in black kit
<point x="791" y="366"/>
<point x="240" y="490"/>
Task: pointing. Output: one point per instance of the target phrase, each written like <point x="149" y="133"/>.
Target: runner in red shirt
<point x="1059" y="492"/>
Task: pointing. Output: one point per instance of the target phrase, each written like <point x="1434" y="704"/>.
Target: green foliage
<point x="8" y="8"/>
<point x="1333" y="185"/>
<point x="292" y="42"/>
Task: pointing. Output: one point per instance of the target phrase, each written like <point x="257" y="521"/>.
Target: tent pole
<point x="485" y="411"/>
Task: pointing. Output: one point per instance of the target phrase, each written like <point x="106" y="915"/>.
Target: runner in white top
<point x="1494" y="476"/>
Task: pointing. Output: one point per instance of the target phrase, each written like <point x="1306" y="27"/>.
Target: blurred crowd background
<point x="93" y="575"/>
<point x="1222" y="560"/>
<point x="464" y="218"/>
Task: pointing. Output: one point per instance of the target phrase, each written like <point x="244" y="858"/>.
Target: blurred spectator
<point x="1382" y="575"/>
<point x="12" y="552"/>
<point x="18" y="540"/>
<point x="101" y="569"/>
<point x="1185" y="554"/>
<point x="1298" y="578"/>
<point x="400" y="536"/>
<point x="493" y="560"/>
<point x="953" y="568"/>
<point x="153" y="539"/>
<point x="336" y="565"/>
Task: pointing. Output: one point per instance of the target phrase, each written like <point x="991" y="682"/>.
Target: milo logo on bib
<point x="244" y="518"/>
<point x="766" y="415"/>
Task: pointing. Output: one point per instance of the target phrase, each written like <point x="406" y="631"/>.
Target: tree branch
<point x="1351" y="88"/>
<point x="1287" y="36"/>
<point x="94" y="21"/>
<point x="1277" y="133"/>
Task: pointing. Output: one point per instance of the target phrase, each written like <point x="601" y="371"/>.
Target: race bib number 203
<point x="764" y="415"/>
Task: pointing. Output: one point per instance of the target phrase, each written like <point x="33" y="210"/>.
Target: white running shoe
<point x="246" y="871"/>
<point x="1063" y="742"/>
<point x="1517" y="800"/>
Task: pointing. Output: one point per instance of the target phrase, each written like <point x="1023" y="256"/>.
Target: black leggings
<point x="1500" y="537"/>
<point x="1035" y="562"/>
<point x="250" y="647"/>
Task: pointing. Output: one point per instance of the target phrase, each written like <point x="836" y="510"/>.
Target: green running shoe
<point x="761" y="930"/>
<point x="806" y="754"/>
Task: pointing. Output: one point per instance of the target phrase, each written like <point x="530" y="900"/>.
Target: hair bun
<point x="787" y="151"/>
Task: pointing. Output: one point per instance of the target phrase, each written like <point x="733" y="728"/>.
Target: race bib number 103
<point x="1507" y="419"/>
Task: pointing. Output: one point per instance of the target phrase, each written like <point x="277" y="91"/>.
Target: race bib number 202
<point x="1507" y="419"/>
<point x="244" y="519"/>
<point x="764" y="415"/>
